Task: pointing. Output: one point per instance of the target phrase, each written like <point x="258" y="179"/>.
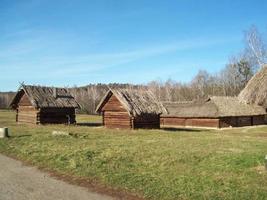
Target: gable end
<point x="113" y="104"/>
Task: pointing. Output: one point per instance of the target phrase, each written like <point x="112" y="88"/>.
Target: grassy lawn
<point x="155" y="164"/>
<point x="83" y="118"/>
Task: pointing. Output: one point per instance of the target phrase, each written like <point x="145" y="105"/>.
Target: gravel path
<point x="20" y="182"/>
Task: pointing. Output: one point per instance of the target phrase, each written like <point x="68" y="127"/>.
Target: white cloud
<point x="37" y="51"/>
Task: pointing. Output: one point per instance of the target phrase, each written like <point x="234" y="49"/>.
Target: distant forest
<point x="5" y="98"/>
<point x="228" y="82"/>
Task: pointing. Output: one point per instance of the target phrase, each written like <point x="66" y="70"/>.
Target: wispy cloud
<point x="38" y="53"/>
<point x="96" y="62"/>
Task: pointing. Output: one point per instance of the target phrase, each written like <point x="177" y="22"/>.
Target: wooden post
<point x="132" y="122"/>
<point x="266" y="162"/>
<point x="3" y="132"/>
<point x="68" y="119"/>
<point x="103" y="118"/>
<point x="17" y="114"/>
<point x="159" y="121"/>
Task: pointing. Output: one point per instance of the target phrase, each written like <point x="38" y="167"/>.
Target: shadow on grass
<point x="94" y="124"/>
<point x="182" y="129"/>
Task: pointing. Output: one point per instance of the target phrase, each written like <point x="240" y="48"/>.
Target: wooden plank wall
<point x="172" y="121"/>
<point x="115" y="115"/>
<point x="113" y="104"/>
<point x="117" y="120"/>
<point x="259" y="120"/>
<point x="197" y="122"/>
<point x="24" y="101"/>
<point x="213" y="123"/>
<point x="228" y="121"/>
<point x="235" y="121"/>
<point x="242" y="121"/>
<point x="26" y="113"/>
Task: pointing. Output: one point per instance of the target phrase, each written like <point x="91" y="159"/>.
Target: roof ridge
<point x="42" y="96"/>
<point x="135" y="101"/>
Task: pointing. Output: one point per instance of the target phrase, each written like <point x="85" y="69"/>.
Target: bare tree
<point x="94" y="96"/>
<point x="5" y="99"/>
<point x="199" y="84"/>
<point x="168" y="90"/>
<point x="256" y="48"/>
<point x="155" y="87"/>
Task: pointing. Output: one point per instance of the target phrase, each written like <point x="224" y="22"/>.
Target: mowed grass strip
<point x="155" y="164"/>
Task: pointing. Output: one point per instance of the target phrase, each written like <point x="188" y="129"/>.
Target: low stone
<point x="56" y="133"/>
<point x="3" y="132"/>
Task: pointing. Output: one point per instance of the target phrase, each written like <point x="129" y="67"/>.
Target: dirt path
<point x="18" y="181"/>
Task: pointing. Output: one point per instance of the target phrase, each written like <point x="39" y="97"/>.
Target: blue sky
<point x="66" y="43"/>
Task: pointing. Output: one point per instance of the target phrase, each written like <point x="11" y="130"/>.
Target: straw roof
<point x="213" y="107"/>
<point x="45" y="97"/>
<point x="255" y="91"/>
<point x="135" y="101"/>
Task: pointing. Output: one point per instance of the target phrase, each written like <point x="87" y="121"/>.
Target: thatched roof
<point x="213" y="107"/>
<point x="255" y="91"/>
<point x="45" y="97"/>
<point x="136" y="102"/>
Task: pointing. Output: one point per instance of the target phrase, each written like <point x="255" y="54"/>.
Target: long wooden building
<point x="130" y="109"/>
<point x="216" y="112"/>
<point x="44" y="105"/>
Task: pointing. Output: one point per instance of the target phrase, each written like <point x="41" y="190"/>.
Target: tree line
<point x="5" y="99"/>
<point x="228" y="82"/>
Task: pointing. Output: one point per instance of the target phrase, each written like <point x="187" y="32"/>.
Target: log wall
<point x="26" y="113"/>
<point x="197" y="122"/>
<point x="213" y="122"/>
<point x="228" y="121"/>
<point x="259" y="120"/>
<point x="242" y="121"/>
<point x="117" y="120"/>
<point x="172" y="121"/>
<point x="24" y="101"/>
<point x="115" y="115"/>
<point x="113" y="104"/>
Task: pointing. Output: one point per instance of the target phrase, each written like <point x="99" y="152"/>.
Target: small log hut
<point x="130" y="109"/>
<point x="44" y="105"/>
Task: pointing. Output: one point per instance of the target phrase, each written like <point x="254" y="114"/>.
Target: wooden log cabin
<point x="215" y="112"/>
<point x="44" y="105"/>
<point x="130" y="109"/>
<point x="248" y="109"/>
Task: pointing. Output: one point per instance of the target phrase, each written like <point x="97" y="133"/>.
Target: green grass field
<point x="155" y="164"/>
